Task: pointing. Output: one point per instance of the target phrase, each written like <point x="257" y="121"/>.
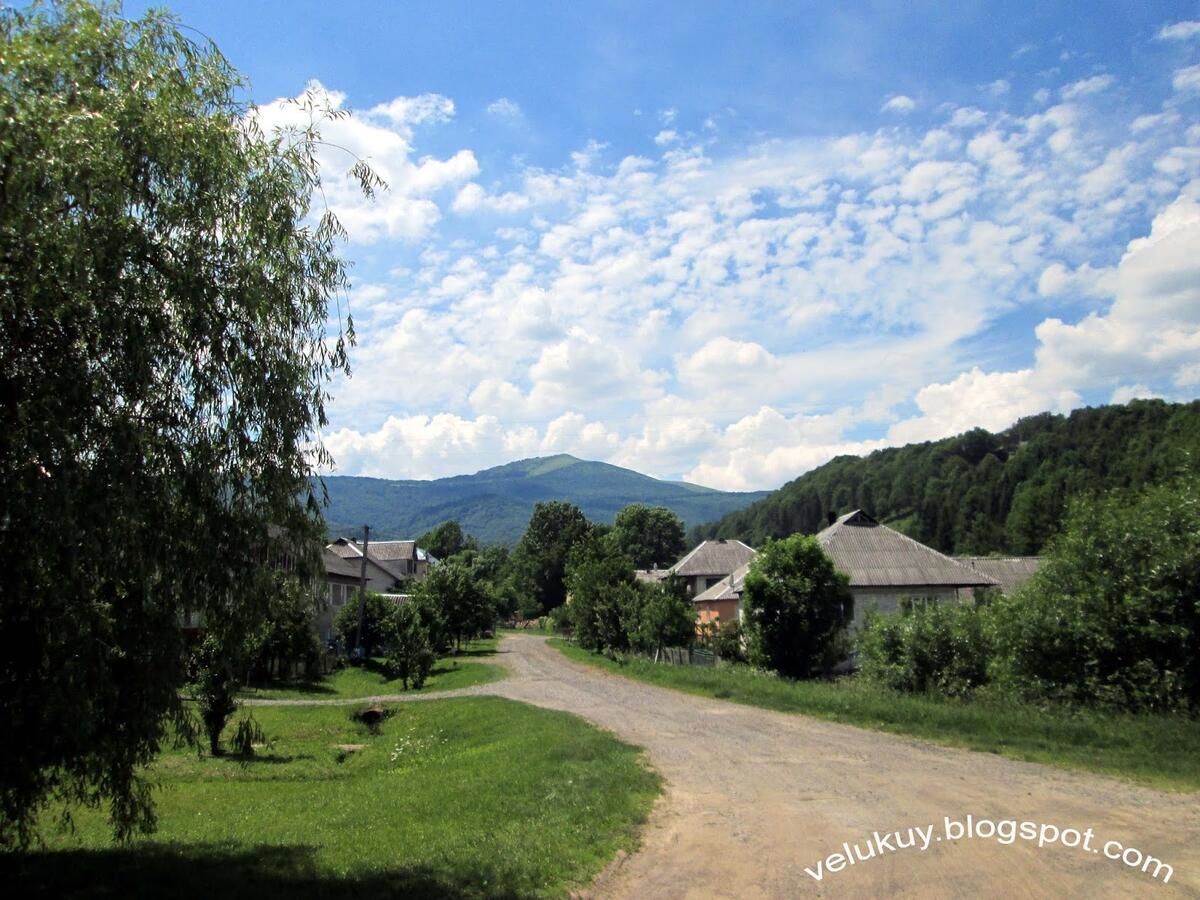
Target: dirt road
<point x="754" y="799"/>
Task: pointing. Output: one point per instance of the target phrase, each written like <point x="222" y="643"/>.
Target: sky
<point x="727" y="242"/>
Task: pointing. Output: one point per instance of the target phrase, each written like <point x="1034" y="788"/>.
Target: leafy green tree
<point x="540" y="559"/>
<point x="605" y="598"/>
<point x="667" y="618"/>
<point x="164" y="358"/>
<point x="1112" y="617"/>
<point x="214" y="687"/>
<point x="410" y="655"/>
<point x="797" y="607"/>
<point x="652" y="536"/>
<point x="446" y="540"/>
<point x="465" y="604"/>
<point x="288" y="637"/>
<point x="377" y="609"/>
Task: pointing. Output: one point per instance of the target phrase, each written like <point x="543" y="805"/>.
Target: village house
<point x="884" y="568"/>
<point x="709" y="563"/>
<point x="391" y="565"/>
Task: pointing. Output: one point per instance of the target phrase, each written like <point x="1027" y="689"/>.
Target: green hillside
<point x="981" y="492"/>
<point x="494" y="505"/>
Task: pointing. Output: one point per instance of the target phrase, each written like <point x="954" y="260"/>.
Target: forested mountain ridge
<point x="494" y="505"/>
<point x="978" y="492"/>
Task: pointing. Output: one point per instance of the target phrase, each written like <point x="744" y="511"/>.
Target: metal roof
<point x="718" y="557"/>
<point x="728" y="588"/>
<point x="1009" y="571"/>
<point x="874" y="555"/>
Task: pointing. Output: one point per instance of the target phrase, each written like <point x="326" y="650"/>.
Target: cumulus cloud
<point x="899" y="104"/>
<point x="1179" y="31"/>
<point x="698" y="315"/>
<point x="1087" y="86"/>
<point x="383" y="137"/>
<point x="1187" y="80"/>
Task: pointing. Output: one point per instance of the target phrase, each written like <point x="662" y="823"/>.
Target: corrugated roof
<point x="651" y="576"/>
<point x="336" y="565"/>
<point x="728" y="588"/>
<point x="874" y="555"/>
<point x="390" y="550"/>
<point x="714" y="558"/>
<point x="1009" y="571"/>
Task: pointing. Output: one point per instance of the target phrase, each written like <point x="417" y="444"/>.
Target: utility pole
<point x="362" y="589"/>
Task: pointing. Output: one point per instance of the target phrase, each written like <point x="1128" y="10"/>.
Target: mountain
<point x="979" y="492"/>
<point x="494" y="505"/>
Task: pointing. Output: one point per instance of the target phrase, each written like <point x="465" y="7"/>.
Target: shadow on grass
<point x="207" y="871"/>
<point x="300" y="687"/>
<point x="263" y="758"/>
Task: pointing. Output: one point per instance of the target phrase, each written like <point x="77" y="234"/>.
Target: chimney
<point x="830" y="517"/>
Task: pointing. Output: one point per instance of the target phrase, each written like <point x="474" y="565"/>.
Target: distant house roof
<point x="651" y="576"/>
<point x="874" y="555"/>
<point x="728" y="588"/>
<point x="719" y="557"/>
<point x="336" y="566"/>
<point x="390" y="550"/>
<point x="1009" y="571"/>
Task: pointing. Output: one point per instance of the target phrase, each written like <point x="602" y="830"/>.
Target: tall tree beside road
<point x="165" y="351"/>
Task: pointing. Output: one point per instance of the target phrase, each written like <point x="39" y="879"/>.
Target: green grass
<point x="1155" y="750"/>
<point x="485" y="798"/>
<point x="370" y="680"/>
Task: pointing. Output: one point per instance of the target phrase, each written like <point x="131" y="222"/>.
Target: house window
<point x="709" y="582"/>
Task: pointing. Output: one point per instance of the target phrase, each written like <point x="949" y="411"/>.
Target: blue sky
<point x="726" y="242"/>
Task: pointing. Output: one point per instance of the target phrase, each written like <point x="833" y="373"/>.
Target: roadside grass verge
<point x="371" y="680"/>
<point x="1156" y="750"/>
<point x="467" y="797"/>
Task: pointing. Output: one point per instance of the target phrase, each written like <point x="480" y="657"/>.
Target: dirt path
<point x="753" y="798"/>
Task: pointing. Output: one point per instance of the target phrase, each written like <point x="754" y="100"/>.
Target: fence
<point x="688" y="656"/>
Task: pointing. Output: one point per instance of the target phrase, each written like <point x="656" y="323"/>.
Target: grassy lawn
<point x="371" y="680"/>
<point x="468" y="797"/>
<point x="1156" y="750"/>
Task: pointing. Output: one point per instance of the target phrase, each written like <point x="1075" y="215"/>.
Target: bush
<point x="927" y="649"/>
<point x="796" y="607"/>
<point x="1112" y="618"/>
<point x="723" y="639"/>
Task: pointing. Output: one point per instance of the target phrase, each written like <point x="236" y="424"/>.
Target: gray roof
<point x="728" y="588"/>
<point x="718" y="557"/>
<point x="1009" y="571"/>
<point x="874" y="555"/>
<point x="651" y="576"/>
<point x="390" y="550"/>
<point x="336" y="565"/>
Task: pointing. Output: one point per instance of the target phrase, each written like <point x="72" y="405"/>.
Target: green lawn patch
<point x="1156" y="750"/>
<point x="371" y="680"/>
<point x="468" y="797"/>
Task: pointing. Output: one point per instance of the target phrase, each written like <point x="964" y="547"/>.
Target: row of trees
<point x="979" y="492"/>
<point x="1111" y="619"/>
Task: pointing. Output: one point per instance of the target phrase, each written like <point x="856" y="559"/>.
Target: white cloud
<point x="899" y="104"/>
<point x="1187" y="80"/>
<point x="997" y="88"/>
<point x="1179" y="31"/>
<point x="666" y="136"/>
<point x="382" y="136"/>
<point x="699" y="315"/>
<point x="1087" y="86"/>
<point x="503" y="108"/>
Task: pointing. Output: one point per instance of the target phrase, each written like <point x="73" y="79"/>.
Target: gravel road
<point x="755" y="798"/>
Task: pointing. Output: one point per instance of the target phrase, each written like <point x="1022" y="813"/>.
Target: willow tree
<point x="165" y="354"/>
